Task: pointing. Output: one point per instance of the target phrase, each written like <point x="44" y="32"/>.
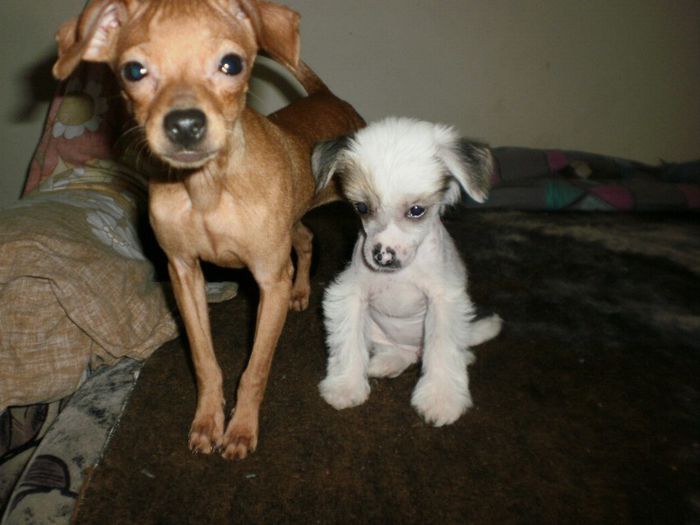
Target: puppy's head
<point x="400" y="174"/>
<point x="183" y="65"/>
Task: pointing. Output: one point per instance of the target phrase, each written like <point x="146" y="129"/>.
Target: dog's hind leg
<point x="301" y="290"/>
<point x="390" y="361"/>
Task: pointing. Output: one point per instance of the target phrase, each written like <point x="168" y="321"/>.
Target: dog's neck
<point x="204" y="189"/>
<point x="206" y="185"/>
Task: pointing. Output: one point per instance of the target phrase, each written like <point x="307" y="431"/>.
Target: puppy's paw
<point x="390" y="362"/>
<point x="240" y="440"/>
<point x="206" y="432"/>
<point x="439" y="402"/>
<point x="341" y="392"/>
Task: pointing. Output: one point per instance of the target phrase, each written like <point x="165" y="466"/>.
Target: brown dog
<point x="238" y="183"/>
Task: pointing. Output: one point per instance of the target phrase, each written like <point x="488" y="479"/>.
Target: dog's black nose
<point x="385" y="257"/>
<point x="185" y="127"/>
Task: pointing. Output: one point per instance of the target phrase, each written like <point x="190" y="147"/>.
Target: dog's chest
<point x="215" y="234"/>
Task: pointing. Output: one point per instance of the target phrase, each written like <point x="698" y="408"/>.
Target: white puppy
<point x="404" y="293"/>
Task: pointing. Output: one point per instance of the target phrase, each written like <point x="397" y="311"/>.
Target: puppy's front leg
<point x="344" y="309"/>
<point x="442" y="393"/>
<point x="207" y="427"/>
<point x="242" y="432"/>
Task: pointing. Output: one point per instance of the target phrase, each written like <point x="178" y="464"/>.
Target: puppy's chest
<point x="390" y="297"/>
<point x="397" y="310"/>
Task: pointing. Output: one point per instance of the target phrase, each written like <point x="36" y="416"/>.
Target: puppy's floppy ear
<point x="277" y="30"/>
<point x="325" y="159"/>
<point x="91" y="37"/>
<point x="468" y="163"/>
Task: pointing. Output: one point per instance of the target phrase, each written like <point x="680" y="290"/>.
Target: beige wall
<point x="617" y="77"/>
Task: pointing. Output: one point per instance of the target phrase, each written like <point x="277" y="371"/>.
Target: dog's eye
<point x="134" y="71"/>
<point x="231" y="64"/>
<point x="415" y="211"/>
<point x="362" y="208"/>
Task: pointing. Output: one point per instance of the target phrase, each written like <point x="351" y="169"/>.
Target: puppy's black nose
<point x="385" y="257"/>
<point x="185" y="127"/>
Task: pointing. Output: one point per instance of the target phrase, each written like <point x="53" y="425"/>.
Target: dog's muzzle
<point x="385" y="257"/>
<point x="185" y="127"/>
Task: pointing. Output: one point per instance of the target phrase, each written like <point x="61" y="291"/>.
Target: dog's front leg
<point x="242" y="431"/>
<point x="442" y="393"/>
<point x="207" y="427"/>
<point x="344" y="309"/>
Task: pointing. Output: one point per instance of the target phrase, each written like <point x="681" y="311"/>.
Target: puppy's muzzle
<point x="385" y="257"/>
<point x="185" y="127"/>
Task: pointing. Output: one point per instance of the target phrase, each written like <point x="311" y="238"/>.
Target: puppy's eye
<point x="362" y="208"/>
<point x="415" y="212"/>
<point x="231" y="64"/>
<point x="134" y="71"/>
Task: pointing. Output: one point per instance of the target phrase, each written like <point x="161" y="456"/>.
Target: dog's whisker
<point x="130" y="138"/>
<point x="143" y="151"/>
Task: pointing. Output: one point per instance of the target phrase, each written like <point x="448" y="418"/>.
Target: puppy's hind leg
<point x="390" y="361"/>
<point x="301" y="290"/>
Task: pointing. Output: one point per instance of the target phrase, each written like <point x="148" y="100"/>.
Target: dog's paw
<point x="440" y="403"/>
<point x="206" y="432"/>
<point x="390" y="362"/>
<point x="240" y="440"/>
<point x="340" y="393"/>
<point x="299" y="300"/>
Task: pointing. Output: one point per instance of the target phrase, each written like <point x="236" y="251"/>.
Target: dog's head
<point x="400" y="174"/>
<point x="183" y="65"/>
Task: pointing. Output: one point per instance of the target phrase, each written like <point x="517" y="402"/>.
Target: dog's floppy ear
<point x="90" y="37"/>
<point x="468" y="163"/>
<point x="326" y="158"/>
<point x="277" y="30"/>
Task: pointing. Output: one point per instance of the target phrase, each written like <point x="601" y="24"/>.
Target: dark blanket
<point x="586" y="406"/>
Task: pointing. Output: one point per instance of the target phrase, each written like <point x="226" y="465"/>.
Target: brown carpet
<point x="586" y="409"/>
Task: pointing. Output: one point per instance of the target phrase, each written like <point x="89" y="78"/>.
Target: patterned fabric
<point x="76" y="288"/>
<point x="76" y="292"/>
<point x="529" y="179"/>
<point x="21" y="431"/>
<point x="63" y="449"/>
<point x="85" y="120"/>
